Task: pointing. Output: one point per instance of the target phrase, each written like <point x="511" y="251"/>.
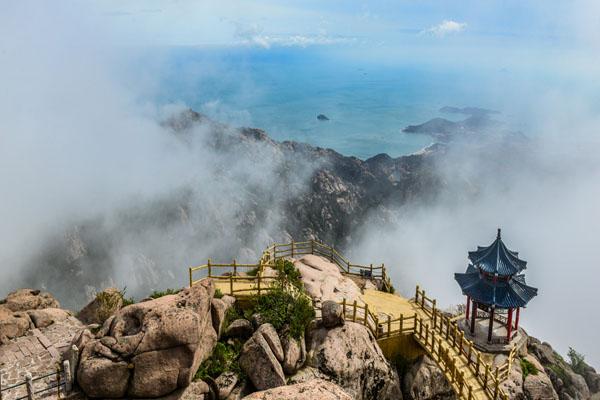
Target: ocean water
<point x="283" y="90"/>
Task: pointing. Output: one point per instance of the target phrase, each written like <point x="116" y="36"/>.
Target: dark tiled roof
<point x="497" y="259"/>
<point x="504" y="294"/>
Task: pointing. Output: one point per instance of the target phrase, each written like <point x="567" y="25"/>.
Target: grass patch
<point x="281" y="308"/>
<point x="218" y="293"/>
<point x="158" y="293"/>
<point x="528" y="368"/>
<point x="224" y="358"/>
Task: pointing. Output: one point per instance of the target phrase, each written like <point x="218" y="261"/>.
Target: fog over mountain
<point x="102" y="186"/>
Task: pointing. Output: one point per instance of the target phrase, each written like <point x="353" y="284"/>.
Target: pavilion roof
<point x="510" y="293"/>
<point x="497" y="259"/>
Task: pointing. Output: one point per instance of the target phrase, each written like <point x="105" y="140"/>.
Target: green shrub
<point x="288" y="273"/>
<point x="218" y="293"/>
<point x="224" y="358"/>
<point x="108" y="303"/>
<point x="576" y="361"/>
<point x="156" y="294"/>
<point x="560" y="372"/>
<point x="528" y="368"/>
<point x="281" y="308"/>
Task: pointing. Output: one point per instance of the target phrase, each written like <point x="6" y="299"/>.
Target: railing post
<point x="348" y="266"/>
<point x="426" y="334"/>
<point x="354" y="311"/>
<point x="470" y="352"/>
<point x="433" y="343"/>
<point x="389" y="326"/>
<point x="401" y="323"/>
<point x="366" y="314"/>
<point x="292" y="249"/>
<point x="460" y="342"/>
<point x="434" y="312"/>
<point x="191" y="281"/>
<point x="486" y="376"/>
<point x="478" y="364"/>
<point x="470" y="389"/>
<point x="420" y="327"/>
<point x="209" y="268"/>
<point x="344" y="307"/>
<point x="68" y="377"/>
<point x="231" y="285"/>
<point x="29" y="386"/>
<point x="423" y="299"/>
<point x="259" y="274"/>
<point x="377" y="328"/>
<point x="440" y="349"/>
<point x="497" y="385"/>
<point x="58" y="381"/>
<point x="417" y="294"/>
<point x="274" y="251"/>
<point x="371" y="267"/>
<point x="447" y="327"/>
<point x="312" y="246"/>
<point x="454" y="333"/>
<point x="234" y="268"/>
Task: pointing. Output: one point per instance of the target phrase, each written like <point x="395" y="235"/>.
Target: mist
<point x="544" y="194"/>
<point x="96" y="190"/>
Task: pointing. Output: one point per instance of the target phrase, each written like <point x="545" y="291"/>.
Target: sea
<point x="367" y="103"/>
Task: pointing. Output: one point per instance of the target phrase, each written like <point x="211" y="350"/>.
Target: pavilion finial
<point x="499" y="230"/>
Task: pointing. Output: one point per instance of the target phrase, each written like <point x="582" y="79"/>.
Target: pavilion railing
<point x="59" y="381"/>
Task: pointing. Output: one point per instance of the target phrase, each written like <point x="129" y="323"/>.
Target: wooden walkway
<point x="386" y="315"/>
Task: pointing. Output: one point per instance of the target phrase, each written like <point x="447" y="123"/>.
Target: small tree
<point x="576" y="360"/>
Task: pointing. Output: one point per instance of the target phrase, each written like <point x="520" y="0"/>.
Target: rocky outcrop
<point x="350" y="356"/>
<point x="24" y="309"/>
<point x="152" y="348"/>
<point x="323" y="280"/>
<point x="566" y="382"/>
<point x="225" y="384"/>
<point x="29" y="299"/>
<point x="313" y="389"/>
<point x="104" y="304"/>
<point x="538" y="386"/>
<point x="259" y="362"/>
<point x="425" y="381"/>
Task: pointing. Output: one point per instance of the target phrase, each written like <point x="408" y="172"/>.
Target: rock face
<point x="47" y="316"/>
<point x="313" y="389"/>
<point x="219" y="308"/>
<point x="538" y="386"/>
<point x="152" y="348"/>
<point x="323" y="280"/>
<point x="105" y="304"/>
<point x="424" y="381"/>
<point x="349" y="356"/>
<point x="12" y="324"/>
<point x="332" y="314"/>
<point x="259" y="362"/>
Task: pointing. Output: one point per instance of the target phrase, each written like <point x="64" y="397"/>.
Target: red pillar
<point x="468" y="306"/>
<point x="509" y="325"/>
<point x="517" y="320"/>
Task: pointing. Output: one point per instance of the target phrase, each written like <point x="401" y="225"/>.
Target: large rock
<point x="105" y="304"/>
<point x="13" y="324"/>
<point x="47" y="316"/>
<point x="425" y="381"/>
<point x="538" y="386"/>
<point x="29" y="299"/>
<point x="161" y="342"/>
<point x="323" y="281"/>
<point x="240" y="328"/>
<point x="350" y="356"/>
<point x="270" y="334"/>
<point x="332" y="314"/>
<point x="314" y="389"/>
<point x="219" y="308"/>
<point x="294" y="354"/>
<point x="260" y="364"/>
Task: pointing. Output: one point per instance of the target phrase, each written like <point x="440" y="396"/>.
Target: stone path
<point x="37" y="353"/>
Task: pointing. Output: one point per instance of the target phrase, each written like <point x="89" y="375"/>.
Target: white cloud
<point x="446" y="27"/>
<point x="252" y="35"/>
